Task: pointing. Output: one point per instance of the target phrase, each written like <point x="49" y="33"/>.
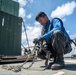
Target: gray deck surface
<point x="36" y="69"/>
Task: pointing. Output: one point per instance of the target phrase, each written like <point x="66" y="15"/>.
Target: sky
<point x="64" y="9"/>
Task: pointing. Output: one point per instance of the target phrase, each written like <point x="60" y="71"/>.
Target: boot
<point x="59" y="62"/>
<point x="51" y="63"/>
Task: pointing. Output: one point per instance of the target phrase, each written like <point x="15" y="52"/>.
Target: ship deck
<point x="37" y="69"/>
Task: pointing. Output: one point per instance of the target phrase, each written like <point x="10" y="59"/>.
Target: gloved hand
<point x="35" y="40"/>
<point x="43" y="44"/>
<point x="42" y="39"/>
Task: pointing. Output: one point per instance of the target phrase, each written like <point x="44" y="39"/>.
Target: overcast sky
<point x="64" y="9"/>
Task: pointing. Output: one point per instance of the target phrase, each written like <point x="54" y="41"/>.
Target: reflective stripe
<point x="49" y="27"/>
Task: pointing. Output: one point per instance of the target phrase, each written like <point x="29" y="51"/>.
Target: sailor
<point x="56" y="37"/>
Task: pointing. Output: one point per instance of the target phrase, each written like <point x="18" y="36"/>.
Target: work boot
<point x="51" y="63"/>
<point x="49" y="66"/>
<point x="59" y="63"/>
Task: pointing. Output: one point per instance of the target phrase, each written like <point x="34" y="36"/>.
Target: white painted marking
<point x="3" y="22"/>
<point x="71" y="61"/>
<point x="59" y="73"/>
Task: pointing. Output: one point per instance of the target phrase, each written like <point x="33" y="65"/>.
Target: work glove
<point x="38" y="39"/>
<point x="35" y="40"/>
<point x="42" y="40"/>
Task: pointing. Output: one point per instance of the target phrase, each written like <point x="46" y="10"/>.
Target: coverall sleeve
<point x="56" y="26"/>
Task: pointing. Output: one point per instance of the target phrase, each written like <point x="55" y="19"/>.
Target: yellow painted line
<point x="59" y="73"/>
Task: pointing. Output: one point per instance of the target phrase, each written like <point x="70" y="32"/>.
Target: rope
<point x="18" y="68"/>
<point x="26" y="34"/>
<point x="73" y="42"/>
